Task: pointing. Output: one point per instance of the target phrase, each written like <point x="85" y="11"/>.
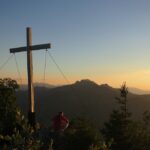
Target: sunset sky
<point x="107" y="41"/>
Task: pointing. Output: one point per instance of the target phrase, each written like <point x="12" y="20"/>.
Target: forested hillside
<point x="119" y="132"/>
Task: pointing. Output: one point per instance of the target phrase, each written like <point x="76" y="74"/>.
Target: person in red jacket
<point x="60" y="122"/>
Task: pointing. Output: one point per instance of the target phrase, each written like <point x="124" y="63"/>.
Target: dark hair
<point x="61" y="112"/>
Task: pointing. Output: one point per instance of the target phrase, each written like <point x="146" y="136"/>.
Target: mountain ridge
<point x="85" y="98"/>
<point x="133" y="90"/>
<point x="138" y="91"/>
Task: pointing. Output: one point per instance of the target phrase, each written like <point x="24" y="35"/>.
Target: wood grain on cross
<point x="28" y="49"/>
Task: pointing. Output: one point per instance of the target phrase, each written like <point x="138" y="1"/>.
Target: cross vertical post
<point x="31" y="111"/>
<point x="29" y="48"/>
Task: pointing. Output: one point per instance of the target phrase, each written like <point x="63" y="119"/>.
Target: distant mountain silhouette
<point x="138" y="91"/>
<point x="37" y="84"/>
<point x="83" y="98"/>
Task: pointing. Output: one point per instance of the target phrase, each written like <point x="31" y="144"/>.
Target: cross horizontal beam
<point x="33" y="47"/>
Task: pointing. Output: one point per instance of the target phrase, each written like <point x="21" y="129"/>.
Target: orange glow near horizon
<point x="138" y="79"/>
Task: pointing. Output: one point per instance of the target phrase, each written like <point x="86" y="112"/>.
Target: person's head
<point x="61" y="113"/>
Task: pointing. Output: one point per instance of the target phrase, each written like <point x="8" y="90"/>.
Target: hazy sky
<point x="107" y="41"/>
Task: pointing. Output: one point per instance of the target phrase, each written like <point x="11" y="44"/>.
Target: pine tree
<point x="116" y="129"/>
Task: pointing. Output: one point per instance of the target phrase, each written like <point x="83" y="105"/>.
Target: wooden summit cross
<point x="28" y="49"/>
